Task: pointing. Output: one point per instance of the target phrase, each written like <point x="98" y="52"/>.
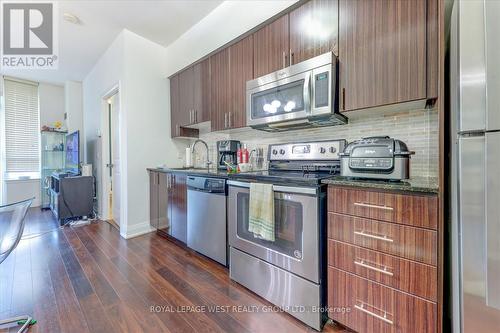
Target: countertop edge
<point x="411" y="186"/>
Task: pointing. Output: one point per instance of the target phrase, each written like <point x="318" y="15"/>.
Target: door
<point x="153" y="199"/>
<point x="296" y="245"/>
<point x="271" y="47"/>
<point x="240" y="71"/>
<point x="314" y="28"/>
<point x="175" y="114"/>
<point x="115" y="158"/>
<point x="178" y="206"/>
<point x="219" y="69"/>
<point x="163" y="221"/>
<point x="201" y="107"/>
<point x="186" y="96"/>
<point x="382" y="52"/>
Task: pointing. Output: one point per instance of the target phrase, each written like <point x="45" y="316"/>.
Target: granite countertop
<point x="212" y="172"/>
<point x="416" y="184"/>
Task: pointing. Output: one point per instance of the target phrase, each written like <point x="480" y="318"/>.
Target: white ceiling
<point x="80" y="46"/>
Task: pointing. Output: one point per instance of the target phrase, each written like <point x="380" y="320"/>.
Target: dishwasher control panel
<point x="206" y="184"/>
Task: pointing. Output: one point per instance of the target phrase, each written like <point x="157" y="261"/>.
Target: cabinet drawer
<point x="407" y="242"/>
<point x="406" y="275"/>
<point x="414" y="210"/>
<point x="372" y="307"/>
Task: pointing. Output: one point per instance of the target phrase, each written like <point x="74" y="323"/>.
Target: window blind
<point x="22" y="139"/>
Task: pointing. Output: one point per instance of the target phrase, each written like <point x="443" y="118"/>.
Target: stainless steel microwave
<point x="300" y="96"/>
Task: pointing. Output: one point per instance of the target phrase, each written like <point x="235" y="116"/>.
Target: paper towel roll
<point x="189" y="158"/>
<point x="87" y="170"/>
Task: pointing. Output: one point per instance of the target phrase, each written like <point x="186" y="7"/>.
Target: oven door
<point x="296" y="245"/>
<point x="282" y="100"/>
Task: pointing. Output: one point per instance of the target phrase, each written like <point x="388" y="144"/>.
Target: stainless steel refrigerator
<point x="475" y="164"/>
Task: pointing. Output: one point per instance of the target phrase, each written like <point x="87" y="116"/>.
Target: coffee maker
<point x="227" y="152"/>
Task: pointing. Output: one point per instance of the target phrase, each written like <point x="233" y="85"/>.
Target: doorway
<point x="111" y="159"/>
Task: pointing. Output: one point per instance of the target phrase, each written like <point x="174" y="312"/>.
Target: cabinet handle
<point x="343" y="98"/>
<point x="225" y="120"/>
<point x="362" y="204"/>
<point x="290" y="57"/>
<point x="229" y="118"/>
<point x="383" y="318"/>
<point x="178" y="130"/>
<point x="190" y="116"/>
<point x="195" y="116"/>
<point x="380" y="270"/>
<point x="284" y="59"/>
<point x="382" y="238"/>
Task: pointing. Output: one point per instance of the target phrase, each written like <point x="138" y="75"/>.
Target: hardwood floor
<point x="89" y="279"/>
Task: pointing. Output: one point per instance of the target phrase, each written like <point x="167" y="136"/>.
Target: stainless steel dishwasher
<point x="206" y="217"/>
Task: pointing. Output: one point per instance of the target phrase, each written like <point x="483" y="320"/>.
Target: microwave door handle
<point x="307" y="93"/>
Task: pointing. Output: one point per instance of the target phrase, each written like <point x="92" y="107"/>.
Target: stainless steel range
<point x="290" y="272"/>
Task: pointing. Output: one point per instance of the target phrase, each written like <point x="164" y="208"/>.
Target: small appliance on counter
<point x="379" y="157"/>
<point x="227" y="153"/>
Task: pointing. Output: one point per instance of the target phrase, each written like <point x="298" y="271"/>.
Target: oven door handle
<point x="278" y="188"/>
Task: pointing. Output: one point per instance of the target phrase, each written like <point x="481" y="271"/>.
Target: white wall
<point x="225" y="23"/>
<point x="51" y="99"/>
<point x="73" y="105"/>
<point x="137" y="66"/>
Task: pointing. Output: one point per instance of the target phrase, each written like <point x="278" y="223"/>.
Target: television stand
<point x="71" y="196"/>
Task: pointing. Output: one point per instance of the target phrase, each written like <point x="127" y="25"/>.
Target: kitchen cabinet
<point x="179" y="114"/>
<point x="219" y="90"/>
<point x="177" y="205"/>
<point x="240" y="71"/>
<point x="313" y="30"/>
<point x="158" y="201"/>
<point x="382" y="52"/>
<point x="201" y="94"/>
<point x="271" y="47"/>
<point x="383" y="260"/>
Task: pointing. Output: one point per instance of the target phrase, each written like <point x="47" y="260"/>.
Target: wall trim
<point x="136" y="230"/>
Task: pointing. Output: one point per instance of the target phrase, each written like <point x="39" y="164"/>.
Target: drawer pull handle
<point x="382" y="238"/>
<point x="380" y="270"/>
<point x="361" y="204"/>
<point x="383" y="318"/>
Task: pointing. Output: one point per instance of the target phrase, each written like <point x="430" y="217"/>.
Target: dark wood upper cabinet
<point x="175" y="117"/>
<point x="201" y="85"/>
<point x="382" y="52"/>
<point x="314" y="29"/>
<point x="271" y="47"/>
<point x="240" y="71"/>
<point x="219" y="89"/>
<point x="186" y="95"/>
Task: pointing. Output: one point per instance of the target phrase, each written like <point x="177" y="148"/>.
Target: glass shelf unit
<point x="52" y="158"/>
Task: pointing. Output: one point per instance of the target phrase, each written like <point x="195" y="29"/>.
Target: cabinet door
<point x="382" y="52"/>
<point x="153" y="199"/>
<point x="219" y="68"/>
<point x="163" y="222"/>
<point x="314" y="29"/>
<point x="240" y="71"/>
<point x="201" y="103"/>
<point x="175" y="116"/>
<point x="179" y="207"/>
<point x="271" y="47"/>
<point x="186" y="96"/>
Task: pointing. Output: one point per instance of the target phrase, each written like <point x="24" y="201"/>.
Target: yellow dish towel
<point x="261" y="211"/>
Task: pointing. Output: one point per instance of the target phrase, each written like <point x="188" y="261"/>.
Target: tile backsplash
<point x="417" y="128"/>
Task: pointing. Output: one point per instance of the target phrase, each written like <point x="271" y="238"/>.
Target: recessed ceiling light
<point x="71" y="18"/>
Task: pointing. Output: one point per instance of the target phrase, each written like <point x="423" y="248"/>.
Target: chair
<point x="11" y="229"/>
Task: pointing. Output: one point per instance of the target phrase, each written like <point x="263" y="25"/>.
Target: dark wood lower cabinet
<point x="168" y="203"/>
<point x="370" y="307"/>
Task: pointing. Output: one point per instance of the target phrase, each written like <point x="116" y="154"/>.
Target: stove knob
<point x="322" y="150"/>
<point x="275" y="152"/>
<point x="282" y="151"/>
<point x="333" y="150"/>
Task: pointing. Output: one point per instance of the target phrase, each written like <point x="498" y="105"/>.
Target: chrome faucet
<point x="207" y="163"/>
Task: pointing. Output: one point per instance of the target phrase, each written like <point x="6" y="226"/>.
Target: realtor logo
<point x="29" y="35"/>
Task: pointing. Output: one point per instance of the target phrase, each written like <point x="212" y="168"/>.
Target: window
<point x="22" y="135"/>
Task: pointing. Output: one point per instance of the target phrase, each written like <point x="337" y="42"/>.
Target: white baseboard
<point x="136" y="230"/>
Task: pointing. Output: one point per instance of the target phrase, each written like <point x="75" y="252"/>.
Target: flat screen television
<point x="73" y="153"/>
